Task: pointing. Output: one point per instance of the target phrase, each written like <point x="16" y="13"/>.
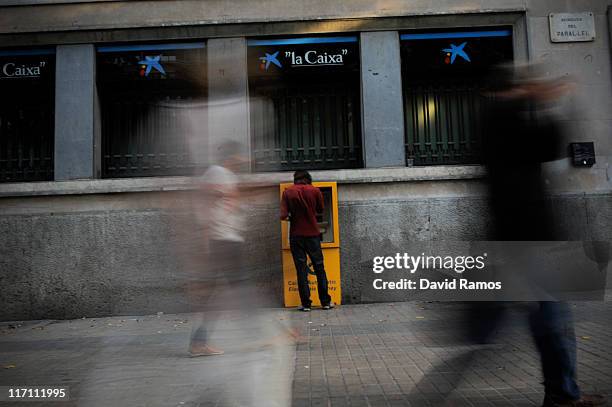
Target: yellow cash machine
<point x="330" y="244"/>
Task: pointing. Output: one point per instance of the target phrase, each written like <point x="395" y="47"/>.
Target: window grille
<point x="443" y="78"/>
<point x="442" y="123"/>
<point x="150" y="98"/>
<point x="304" y="103"/>
<point x="27" y="83"/>
<point x="305" y="128"/>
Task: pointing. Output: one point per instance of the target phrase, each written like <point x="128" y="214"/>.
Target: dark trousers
<point x="311" y="246"/>
<point x="552" y="328"/>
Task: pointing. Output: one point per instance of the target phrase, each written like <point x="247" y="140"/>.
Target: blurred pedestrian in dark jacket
<point x="518" y="137"/>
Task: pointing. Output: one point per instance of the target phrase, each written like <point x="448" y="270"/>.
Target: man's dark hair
<point x="302" y="177"/>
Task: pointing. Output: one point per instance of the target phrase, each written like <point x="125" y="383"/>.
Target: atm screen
<point x="325" y="220"/>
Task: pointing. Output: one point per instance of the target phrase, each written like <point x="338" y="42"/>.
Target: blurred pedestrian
<point x="219" y="210"/>
<point x="518" y="137"/>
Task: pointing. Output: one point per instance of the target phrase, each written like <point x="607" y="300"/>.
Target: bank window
<point x="27" y="86"/>
<point x="149" y="96"/>
<point x="304" y="103"/>
<point x="442" y="77"/>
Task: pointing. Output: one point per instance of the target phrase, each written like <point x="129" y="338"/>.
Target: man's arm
<point x="320" y="203"/>
<point x="284" y="208"/>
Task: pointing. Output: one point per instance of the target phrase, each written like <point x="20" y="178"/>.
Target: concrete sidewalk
<point x="398" y="354"/>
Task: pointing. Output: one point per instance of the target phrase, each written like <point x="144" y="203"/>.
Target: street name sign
<point x="571" y="27"/>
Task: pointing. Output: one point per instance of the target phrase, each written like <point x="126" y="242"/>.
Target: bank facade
<point x="109" y="109"/>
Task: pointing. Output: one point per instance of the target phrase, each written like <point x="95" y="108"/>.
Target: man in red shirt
<point x="300" y="204"/>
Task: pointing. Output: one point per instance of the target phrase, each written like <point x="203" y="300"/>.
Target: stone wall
<point x="123" y="254"/>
